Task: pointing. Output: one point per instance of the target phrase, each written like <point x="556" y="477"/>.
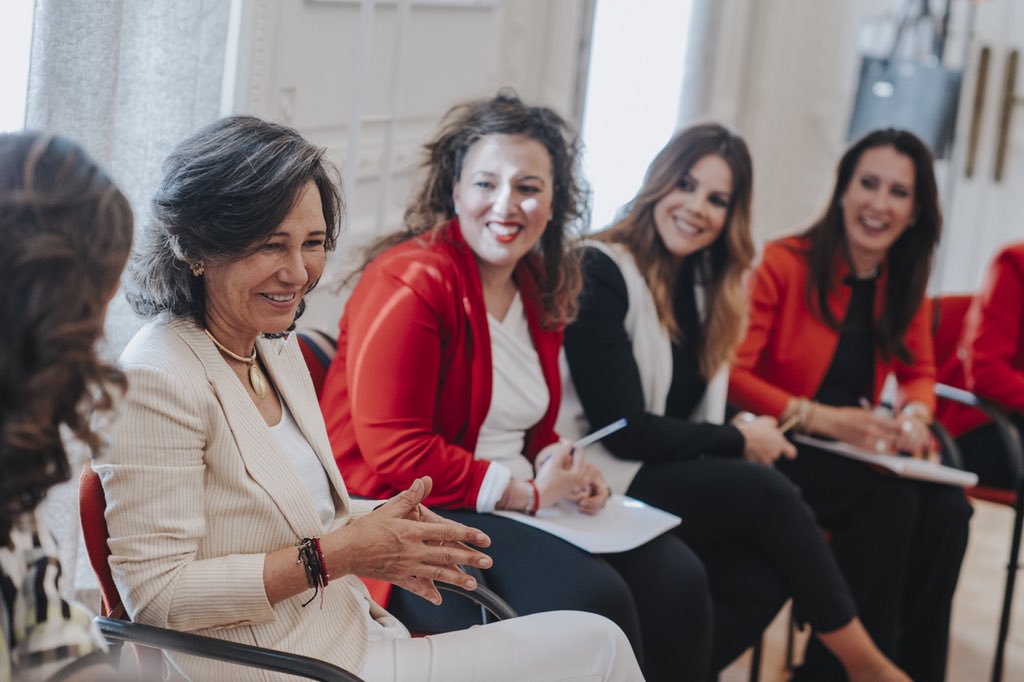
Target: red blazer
<point x="788" y="349"/>
<point x="991" y="351"/>
<point x="410" y="384"/>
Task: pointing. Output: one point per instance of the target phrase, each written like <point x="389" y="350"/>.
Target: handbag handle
<point x="909" y="20"/>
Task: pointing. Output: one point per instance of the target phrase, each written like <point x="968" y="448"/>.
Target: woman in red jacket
<point x="447" y="366"/>
<point x="834" y="312"/>
<point x="991" y="363"/>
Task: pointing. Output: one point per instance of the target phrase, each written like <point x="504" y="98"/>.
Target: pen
<point x="789" y="423"/>
<point x="600" y="433"/>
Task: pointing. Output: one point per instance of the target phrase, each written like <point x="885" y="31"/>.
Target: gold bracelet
<point x="918" y="410"/>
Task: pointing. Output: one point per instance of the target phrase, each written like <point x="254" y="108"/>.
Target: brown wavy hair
<point x="66" y="232"/>
<point x="557" y="262"/>
<point x="909" y="260"/>
<point x="719" y="267"/>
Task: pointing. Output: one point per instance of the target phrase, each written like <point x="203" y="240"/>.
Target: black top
<point x="851" y="375"/>
<point x="607" y="379"/>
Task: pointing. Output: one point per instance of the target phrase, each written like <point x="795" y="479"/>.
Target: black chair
<point x="949" y="311"/>
<point x="118" y="630"/>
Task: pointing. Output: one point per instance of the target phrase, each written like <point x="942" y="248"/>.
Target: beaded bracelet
<point x="534" y="501"/>
<point x="311" y="556"/>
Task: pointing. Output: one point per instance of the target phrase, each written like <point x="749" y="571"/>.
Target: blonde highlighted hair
<point x="721" y="266"/>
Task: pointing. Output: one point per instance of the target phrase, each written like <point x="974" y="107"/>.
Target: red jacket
<point x="410" y="385"/>
<point x="788" y="349"/>
<point x="991" y="348"/>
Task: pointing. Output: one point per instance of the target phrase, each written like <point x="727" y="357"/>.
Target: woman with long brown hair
<point x="663" y="307"/>
<point x="835" y="311"/>
<point x="66" y="232"/>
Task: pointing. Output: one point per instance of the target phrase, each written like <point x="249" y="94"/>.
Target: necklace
<point x="256" y="380"/>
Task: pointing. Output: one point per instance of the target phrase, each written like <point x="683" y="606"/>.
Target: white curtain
<point x="127" y="79"/>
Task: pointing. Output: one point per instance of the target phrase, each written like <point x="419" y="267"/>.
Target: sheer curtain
<point x="127" y="80"/>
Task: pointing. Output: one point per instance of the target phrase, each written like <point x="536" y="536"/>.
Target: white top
<point x="304" y="460"/>
<point x="306" y="464"/>
<point x="519" y="399"/>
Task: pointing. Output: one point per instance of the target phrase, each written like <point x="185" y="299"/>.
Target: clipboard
<point x="907" y="467"/>
<point x="625" y="523"/>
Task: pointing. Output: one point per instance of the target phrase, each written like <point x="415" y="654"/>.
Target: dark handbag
<point x="918" y="94"/>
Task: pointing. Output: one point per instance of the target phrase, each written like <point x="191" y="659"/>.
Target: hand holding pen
<point x="590" y="491"/>
<point x="763" y="440"/>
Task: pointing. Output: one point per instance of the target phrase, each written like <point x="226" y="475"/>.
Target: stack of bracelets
<point x="311" y="556"/>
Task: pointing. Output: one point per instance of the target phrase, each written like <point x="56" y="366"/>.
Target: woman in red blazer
<point x="990" y="363"/>
<point x="447" y="366"/>
<point x="833" y="313"/>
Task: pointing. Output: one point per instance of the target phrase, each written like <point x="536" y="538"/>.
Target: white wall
<point x="298" y="63"/>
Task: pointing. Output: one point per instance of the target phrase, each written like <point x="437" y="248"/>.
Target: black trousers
<point x="984" y="454"/>
<point x="759" y="543"/>
<point x="899" y="543"/>
<point x="657" y="593"/>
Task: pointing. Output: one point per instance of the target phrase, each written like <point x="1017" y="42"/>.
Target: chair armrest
<point x="1007" y="430"/>
<point x="484" y="597"/>
<point x="218" y="649"/>
<point x="950" y="450"/>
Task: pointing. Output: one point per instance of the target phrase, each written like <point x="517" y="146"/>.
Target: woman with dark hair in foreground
<point x="65" y="234"/>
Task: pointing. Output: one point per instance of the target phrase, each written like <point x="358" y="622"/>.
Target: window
<point x="15" y="46"/>
<point x="633" y="90"/>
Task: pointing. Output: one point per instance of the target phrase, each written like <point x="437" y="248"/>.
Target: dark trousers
<point x="657" y="593"/>
<point x="759" y="543"/>
<point x="984" y="454"/>
<point x="899" y="543"/>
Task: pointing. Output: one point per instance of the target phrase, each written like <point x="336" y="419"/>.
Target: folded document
<point x="623" y="524"/>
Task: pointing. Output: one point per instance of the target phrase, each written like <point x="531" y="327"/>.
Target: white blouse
<point x="519" y="399"/>
<point x="305" y="463"/>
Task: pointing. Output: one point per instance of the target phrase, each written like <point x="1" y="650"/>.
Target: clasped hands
<point x="404" y="543"/>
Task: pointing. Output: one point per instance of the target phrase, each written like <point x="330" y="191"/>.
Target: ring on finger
<point x="907" y="426"/>
<point x="881" y="446"/>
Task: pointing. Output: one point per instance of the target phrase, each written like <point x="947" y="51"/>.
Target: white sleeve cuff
<point x="496" y="481"/>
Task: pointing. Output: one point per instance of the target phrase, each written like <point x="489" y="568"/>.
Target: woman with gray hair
<point x="227" y="515"/>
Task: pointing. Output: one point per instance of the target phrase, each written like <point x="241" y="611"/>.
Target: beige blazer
<point x="198" y="491"/>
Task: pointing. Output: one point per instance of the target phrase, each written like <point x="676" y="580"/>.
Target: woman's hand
<point x="405" y="543"/>
<point x="595" y="493"/>
<point x="858" y="426"/>
<point x="560" y="473"/>
<point x="915" y="437"/>
<point x="763" y="442"/>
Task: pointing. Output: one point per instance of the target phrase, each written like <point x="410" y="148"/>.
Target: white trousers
<point x="544" y="647"/>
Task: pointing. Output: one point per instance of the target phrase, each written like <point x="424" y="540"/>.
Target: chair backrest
<point x="92" y="506"/>
<point x="948" y="312"/>
<point x="318" y="349"/>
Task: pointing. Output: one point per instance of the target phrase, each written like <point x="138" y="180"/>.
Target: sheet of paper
<point x="623" y="524"/>
<point x="901" y="466"/>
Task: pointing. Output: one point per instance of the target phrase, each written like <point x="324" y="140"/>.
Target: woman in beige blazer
<point x="226" y="512"/>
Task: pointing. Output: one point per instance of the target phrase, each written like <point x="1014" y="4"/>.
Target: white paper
<point x="623" y="524"/>
<point x="908" y="467"/>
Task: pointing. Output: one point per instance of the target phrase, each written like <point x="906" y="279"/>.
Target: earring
<point x="197" y="268"/>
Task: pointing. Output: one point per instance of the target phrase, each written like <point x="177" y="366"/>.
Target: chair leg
<point x="1012" y="566"/>
<point x="755" y="660"/>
